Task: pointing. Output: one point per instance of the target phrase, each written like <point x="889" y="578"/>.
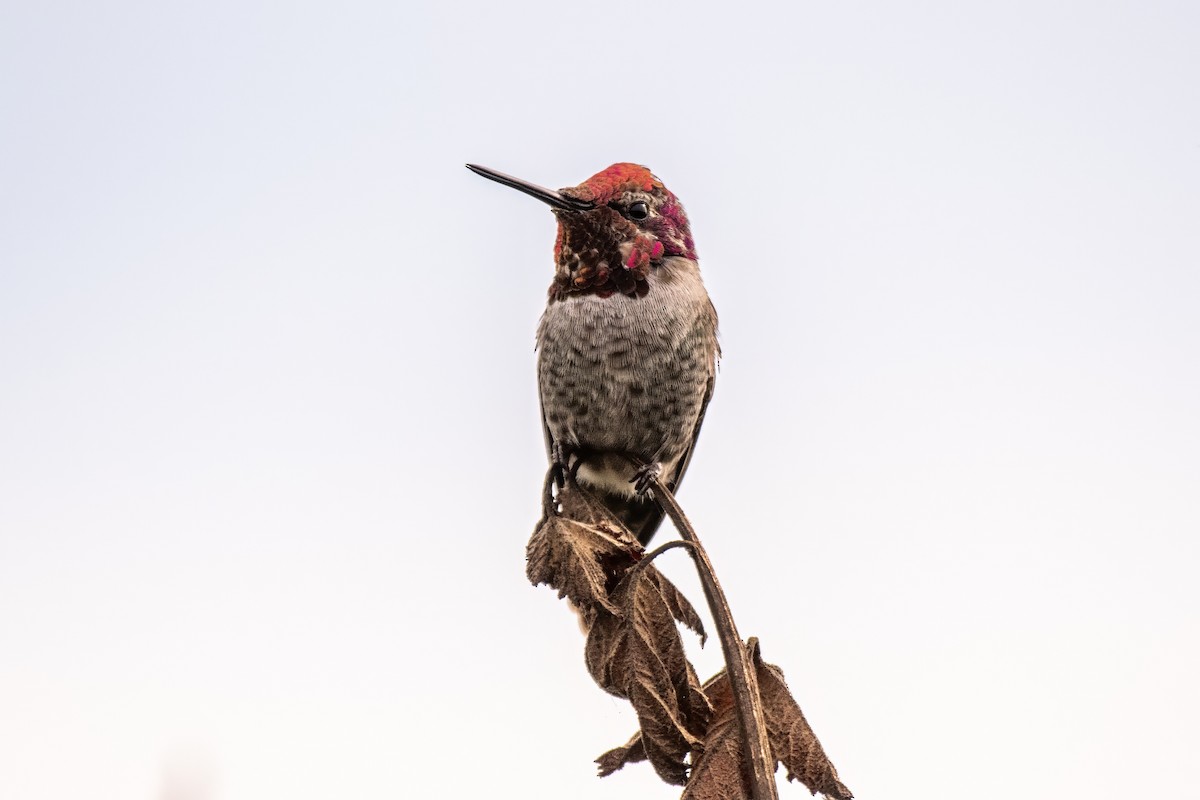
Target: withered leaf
<point x="639" y="655"/>
<point x="681" y="609"/>
<point x="628" y="753"/>
<point x="580" y="560"/>
<point x="792" y="738"/>
<point x="665" y="740"/>
<point x="718" y="772"/>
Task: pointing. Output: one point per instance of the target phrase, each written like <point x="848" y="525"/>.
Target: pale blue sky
<point x="269" y="441"/>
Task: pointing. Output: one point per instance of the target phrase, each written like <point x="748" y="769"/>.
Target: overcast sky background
<point x="269" y="439"/>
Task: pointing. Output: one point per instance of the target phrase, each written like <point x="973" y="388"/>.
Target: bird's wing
<point x="681" y="467"/>
<point x="546" y="431"/>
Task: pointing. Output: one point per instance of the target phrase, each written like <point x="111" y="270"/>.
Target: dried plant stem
<point x="742" y="677"/>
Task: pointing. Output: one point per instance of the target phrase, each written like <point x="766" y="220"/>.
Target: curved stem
<point x="742" y="678"/>
<point x="658" y="551"/>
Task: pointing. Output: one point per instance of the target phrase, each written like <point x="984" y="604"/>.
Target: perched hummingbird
<point x="627" y="347"/>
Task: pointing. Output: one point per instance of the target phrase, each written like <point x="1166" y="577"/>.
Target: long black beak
<point x="548" y="196"/>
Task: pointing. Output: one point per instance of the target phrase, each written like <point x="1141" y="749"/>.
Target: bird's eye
<point x="639" y="210"/>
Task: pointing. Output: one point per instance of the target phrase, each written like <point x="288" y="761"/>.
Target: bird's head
<point x="613" y="230"/>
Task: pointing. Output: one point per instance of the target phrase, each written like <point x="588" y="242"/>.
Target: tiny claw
<point x="645" y="477"/>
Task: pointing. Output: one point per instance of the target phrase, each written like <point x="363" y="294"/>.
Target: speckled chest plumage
<point x="624" y="376"/>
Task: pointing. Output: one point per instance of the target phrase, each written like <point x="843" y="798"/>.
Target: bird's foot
<point x="645" y="476"/>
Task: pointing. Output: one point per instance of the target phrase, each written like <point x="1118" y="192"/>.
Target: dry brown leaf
<point x="718" y="772"/>
<point x="681" y="609"/>
<point x="792" y="738"/>
<point x="628" y="753"/>
<point x="605" y="653"/>
<point x="634" y="650"/>
<point x="639" y="655"/>
<point x="641" y="636"/>
<point x="582" y="561"/>
<point x="665" y="740"/>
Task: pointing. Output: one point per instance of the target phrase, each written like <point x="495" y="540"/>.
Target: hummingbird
<point x="627" y="346"/>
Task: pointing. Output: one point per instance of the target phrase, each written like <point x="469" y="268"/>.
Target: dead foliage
<point x="719" y="762"/>
<point x="689" y="733"/>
